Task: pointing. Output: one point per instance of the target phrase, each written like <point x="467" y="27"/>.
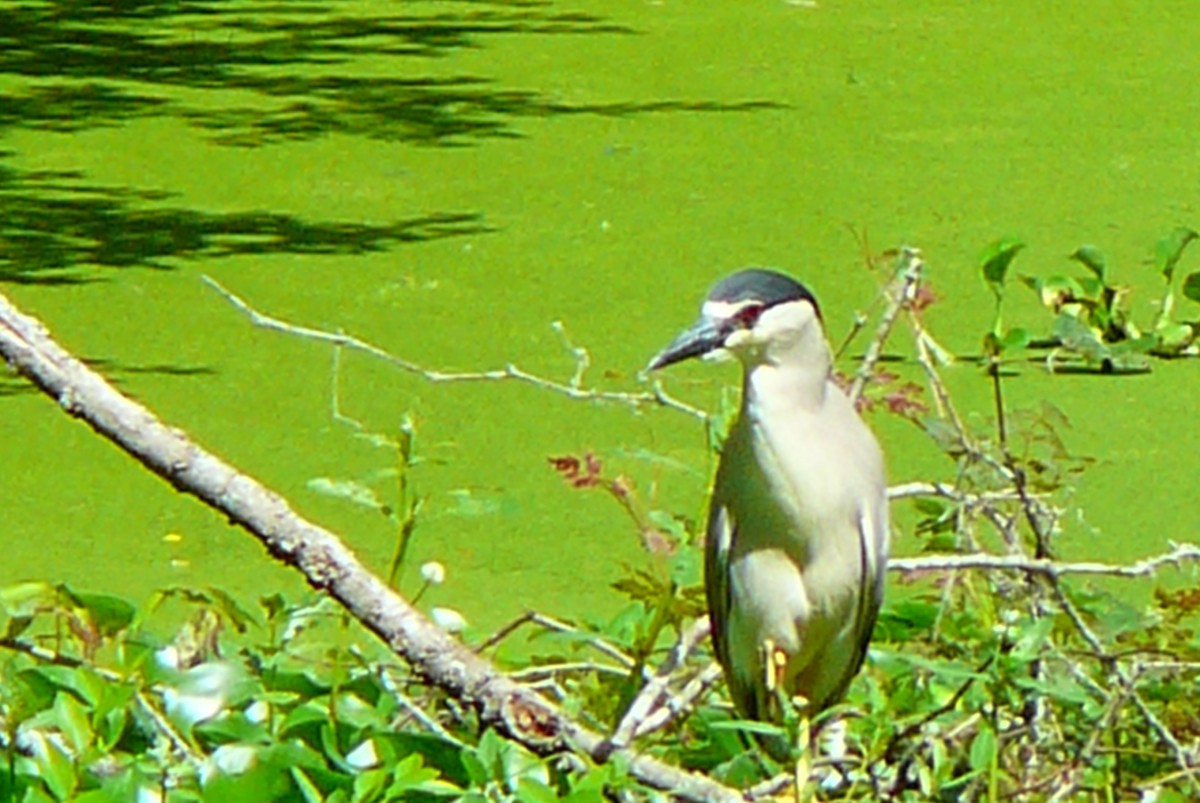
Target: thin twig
<point x="899" y="292"/>
<point x="1180" y="553"/>
<point x="536" y="674"/>
<point x="656" y="397"/>
<point x="656" y="688"/>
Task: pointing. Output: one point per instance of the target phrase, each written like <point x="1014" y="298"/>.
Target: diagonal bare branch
<point x="327" y="564"/>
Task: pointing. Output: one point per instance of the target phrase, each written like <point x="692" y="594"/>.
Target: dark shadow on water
<point x="113" y="371"/>
<point x="250" y="75"/>
<point x="112" y="368"/>
<point x="429" y="111"/>
<point x="52" y="223"/>
<point x="284" y="71"/>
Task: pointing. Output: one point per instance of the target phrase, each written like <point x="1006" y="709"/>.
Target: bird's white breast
<point x="804" y="481"/>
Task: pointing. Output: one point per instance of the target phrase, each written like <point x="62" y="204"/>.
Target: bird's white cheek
<point x="740" y="339"/>
<point x="717" y="355"/>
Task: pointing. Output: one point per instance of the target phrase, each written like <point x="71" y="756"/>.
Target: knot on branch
<point x="533" y="724"/>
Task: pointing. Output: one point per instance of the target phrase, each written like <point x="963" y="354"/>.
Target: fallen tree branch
<point x="327" y="564"/>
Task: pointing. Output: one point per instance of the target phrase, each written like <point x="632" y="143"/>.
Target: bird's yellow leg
<point x="803" y="735"/>
<point x="793" y="712"/>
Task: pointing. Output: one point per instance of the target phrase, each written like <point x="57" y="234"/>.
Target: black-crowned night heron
<point x="797" y="536"/>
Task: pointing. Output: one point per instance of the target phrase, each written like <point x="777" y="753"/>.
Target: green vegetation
<point x="1093" y="327"/>
<point x="996" y="672"/>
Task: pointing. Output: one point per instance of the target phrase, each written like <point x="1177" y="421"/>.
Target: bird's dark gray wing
<point x="722" y="532"/>
<point x="873" y="561"/>
<point x="717" y="545"/>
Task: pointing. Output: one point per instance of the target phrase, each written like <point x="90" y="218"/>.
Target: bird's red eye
<point x="747" y="316"/>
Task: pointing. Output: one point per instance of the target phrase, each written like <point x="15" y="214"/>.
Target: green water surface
<point x="448" y="179"/>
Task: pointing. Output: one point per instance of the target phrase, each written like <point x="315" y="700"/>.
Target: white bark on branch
<point x="1178" y="554"/>
<point x="573" y="389"/>
<point x="324" y="560"/>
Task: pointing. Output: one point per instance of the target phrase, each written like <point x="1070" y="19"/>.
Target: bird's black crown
<point x="767" y="287"/>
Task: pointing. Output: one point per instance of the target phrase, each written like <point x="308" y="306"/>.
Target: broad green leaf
<point x="1016" y="338"/>
<point x="1092" y="288"/>
<point x="1191" y="286"/>
<point x="749" y="726"/>
<point x="1057" y="290"/>
<point x="1079" y="337"/>
<point x="16" y="626"/>
<point x="1173" y="336"/>
<point x="110" y="614"/>
<point x="368" y="784"/>
<point x="29" y="690"/>
<point x="983" y="749"/>
<point x="27" y="599"/>
<point x="995" y="260"/>
<point x="477" y="771"/>
<point x="1093" y="259"/>
<point x="100" y="796"/>
<point x="235" y="613"/>
<point x="72" y="719"/>
<point x="1055" y="686"/>
<point x="56" y="768"/>
<point x="929" y="506"/>
<point x="533" y="791"/>
<point x="1169" y="249"/>
<point x="308" y="789"/>
<point x="687" y="567"/>
<point x="1033" y="639"/>
<point x="411" y="774"/>
<point x="111" y="728"/>
<point x="668" y="523"/>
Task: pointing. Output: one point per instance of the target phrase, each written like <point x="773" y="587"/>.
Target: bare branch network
<point x="327" y="564"/>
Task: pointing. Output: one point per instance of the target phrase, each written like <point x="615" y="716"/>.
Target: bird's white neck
<point x="796" y="381"/>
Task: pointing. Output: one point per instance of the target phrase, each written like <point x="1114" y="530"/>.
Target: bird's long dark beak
<point x="700" y="338"/>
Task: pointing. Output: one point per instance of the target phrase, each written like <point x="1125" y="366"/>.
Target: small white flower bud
<point x="433" y="573"/>
<point x="449" y="619"/>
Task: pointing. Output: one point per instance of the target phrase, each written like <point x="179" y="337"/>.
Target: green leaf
<point x="1169" y="249"/>
<point x="749" y="726"/>
<point x="56" y="769"/>
<point x="1058" y="290"/>
<point x="368" y="784"/>
<point x="27" y="599"/>
<point x="477" y="771"/>
<point x="669" y="523"/>
<point x="237" y="615"/>
<point x="1033" y="639"/>
<point x="983" y="749"/>
<point x="109" y="613"/>
<point x="308" y="789"/>
<point x="1093" y="259"/>
<point x="1058" y="687"/>
<point x="1077" y="336"/>
<point x="930" y="506"/>
<point x="16" y="626"/>
<point x="1016" y="338"/>
<point x="1173" y="336"/>
<point x="995" y="260"/>
<point x="532" y="791"/>
<point x="411" y="775"/>
<point x="1191" y="286"/>
<point x="687" y="568"/>
<point x="72" y="719"/>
